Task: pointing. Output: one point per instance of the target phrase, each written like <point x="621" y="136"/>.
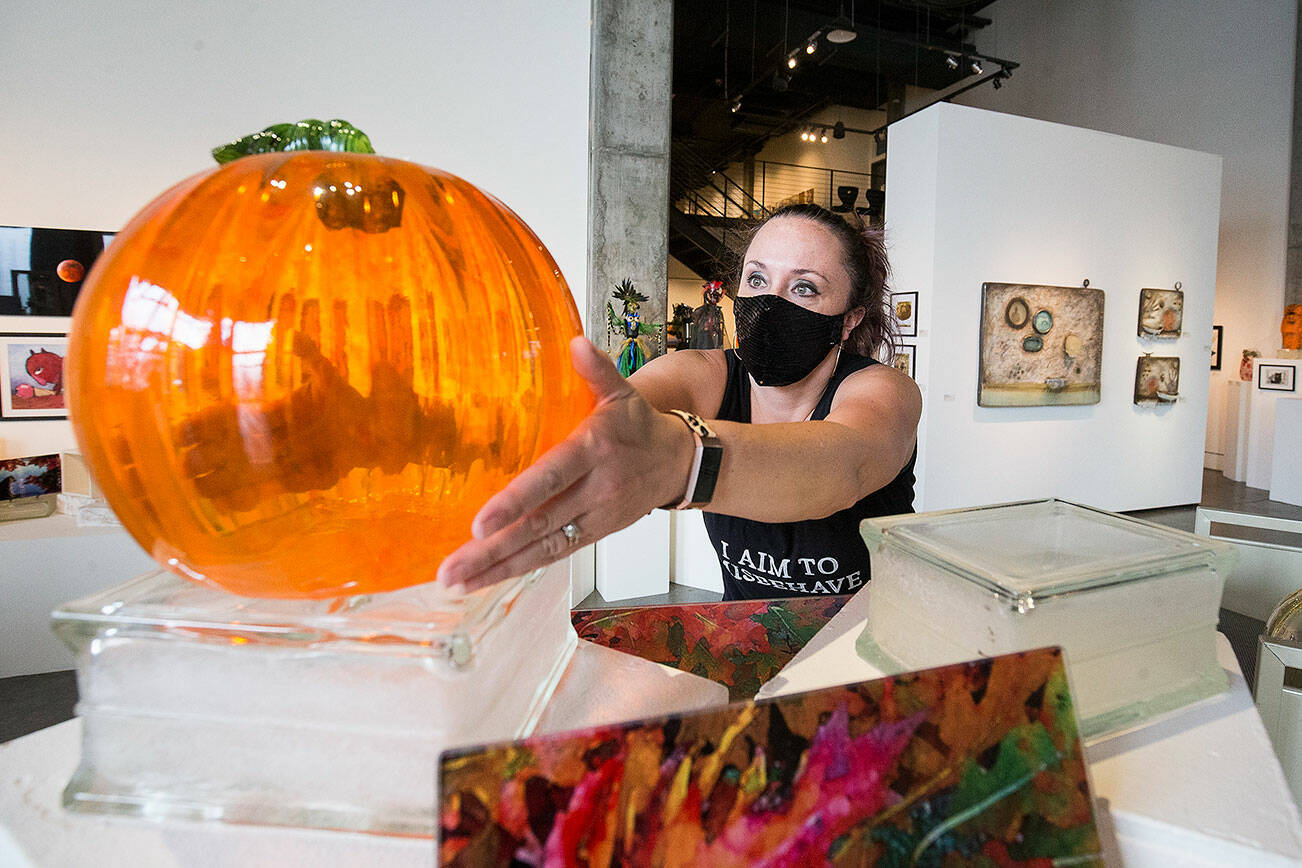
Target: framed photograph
<point x="31" y="373"/>
<point x="1277" y="378"/>
<point x="1218" y="335"/>
<point x="1041" y="346"/>
<point x="29" y="477"/>
<point x="905" y="306"/>
<point x="42" y="269"/>
<point x="906" y="359"/>
<point x="1161" y="313"/>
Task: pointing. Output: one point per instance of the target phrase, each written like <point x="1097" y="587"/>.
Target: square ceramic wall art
<point x="1040" y="345"/>
<point x="1161" y="313"/>
<point x="1157" y="380"/>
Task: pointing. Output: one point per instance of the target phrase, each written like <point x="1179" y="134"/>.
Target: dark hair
<point x="863" y="252"/>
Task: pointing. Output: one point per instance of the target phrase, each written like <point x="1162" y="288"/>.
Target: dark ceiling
<point x="727" y="51"/>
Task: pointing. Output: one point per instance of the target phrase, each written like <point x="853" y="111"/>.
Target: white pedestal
<point x="1286" y="463"/>
<point x="635" y="561"/>
<point x="695" y="563"/>
<point x="1238" y="395"/>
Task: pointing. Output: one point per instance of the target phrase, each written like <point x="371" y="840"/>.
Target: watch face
<point x="1043" y="322"/>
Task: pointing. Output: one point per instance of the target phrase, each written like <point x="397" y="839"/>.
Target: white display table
<point x="1199" y="787"/>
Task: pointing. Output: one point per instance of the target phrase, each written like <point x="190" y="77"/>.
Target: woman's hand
<point x="623" y="461"/>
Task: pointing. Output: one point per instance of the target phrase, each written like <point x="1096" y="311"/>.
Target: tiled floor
<point x="32" y="702"/>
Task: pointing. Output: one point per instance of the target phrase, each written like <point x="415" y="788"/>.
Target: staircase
<point x="711" y="216"/>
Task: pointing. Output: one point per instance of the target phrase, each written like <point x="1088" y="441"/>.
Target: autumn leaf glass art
<point x="972" y="764"/>
<point x="301" y="374"/>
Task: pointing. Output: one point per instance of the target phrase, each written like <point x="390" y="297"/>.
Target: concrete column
<point x="1293" y="265"/>
<point x="628" y="212"/>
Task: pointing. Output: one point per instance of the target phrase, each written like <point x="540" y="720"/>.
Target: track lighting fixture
<point x="804" y="135"/>
<point x="823" y="138"/>
<point x="838" y="130"/>
<point x="811" y="47"/>
<point x="976" y="66"/>
<point x="736" y="106"/>
<point x="951" y="61"/>
<point x="791" y="62"/>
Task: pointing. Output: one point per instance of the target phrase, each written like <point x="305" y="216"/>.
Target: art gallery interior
<point x="1090" y="215"/>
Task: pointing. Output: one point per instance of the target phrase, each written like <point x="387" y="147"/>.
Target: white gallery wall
<point x="975" y="196"/>
<point x="1214" y="76"/>
<point x="105" y="105"/>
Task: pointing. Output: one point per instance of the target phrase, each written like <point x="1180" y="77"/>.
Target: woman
<point x="807" y="434"/>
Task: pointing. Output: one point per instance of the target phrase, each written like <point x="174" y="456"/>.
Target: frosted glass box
<point x="1133" y="605"/>
<point x="321" y="713"/>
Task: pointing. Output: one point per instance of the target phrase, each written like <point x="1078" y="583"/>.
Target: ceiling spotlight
<point x="736" y="107"/>
<point x="998" y="82"/>
<point x="804" y="135"/>
<point x="811" y="47"/>
<point x="823" y="137"/>
<point x="951" y="61"/>
<point x="976" y="67"/>
<point x="791" y="62"/>
<point x="838" y="131"/>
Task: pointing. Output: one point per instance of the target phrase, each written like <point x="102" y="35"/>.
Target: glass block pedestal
<point x="318" y="713"/>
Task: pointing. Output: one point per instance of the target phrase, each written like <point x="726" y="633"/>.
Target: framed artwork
<point x="29" y="477"/>
<point x="31" y="372"/>
<point x="1218" y="338"/>
<point x="926" y="768"/>
<point x="1040" y="345"/>
<point x="905" y="306"/>
<point x="42" y="269"/>
<point x="1157" y="380"/>
<point x="1277" y="378"/>
<point x="906" y="359"/>
<point x="1161" y="312"/>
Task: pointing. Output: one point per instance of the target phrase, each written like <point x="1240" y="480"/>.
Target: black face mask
<point x="779" y="341"/>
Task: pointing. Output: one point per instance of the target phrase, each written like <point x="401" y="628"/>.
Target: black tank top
<point x="799" y="558"/>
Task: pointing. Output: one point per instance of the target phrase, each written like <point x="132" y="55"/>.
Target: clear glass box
<point x="1133" y="605"/>
<point x="201" y="704"/>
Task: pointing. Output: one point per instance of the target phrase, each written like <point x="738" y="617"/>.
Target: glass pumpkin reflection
<point x="300" y="375"/>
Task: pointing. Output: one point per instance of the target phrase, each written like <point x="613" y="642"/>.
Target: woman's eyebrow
<point x="808" y="271"/>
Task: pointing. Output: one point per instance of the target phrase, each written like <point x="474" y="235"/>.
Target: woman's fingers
<point x="551" y="546"/>
<point x="566" y="462"/>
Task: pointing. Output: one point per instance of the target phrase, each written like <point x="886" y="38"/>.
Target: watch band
<point x="705" y="465"/>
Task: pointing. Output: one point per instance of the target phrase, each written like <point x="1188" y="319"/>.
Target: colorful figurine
<point x="707" y="320"/>
<point x="633" y="352"/>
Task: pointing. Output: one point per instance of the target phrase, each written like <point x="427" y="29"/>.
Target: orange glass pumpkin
<point x="301" y="374"/>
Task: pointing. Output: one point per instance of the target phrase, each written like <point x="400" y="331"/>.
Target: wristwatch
<point x="705" y="466"/>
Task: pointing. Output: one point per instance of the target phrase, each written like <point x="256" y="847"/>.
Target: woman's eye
<point x="755" y="281"/>
<point x="804" y="290"/>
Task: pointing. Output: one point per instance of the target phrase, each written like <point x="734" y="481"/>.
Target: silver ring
<point x="571" y="531"/>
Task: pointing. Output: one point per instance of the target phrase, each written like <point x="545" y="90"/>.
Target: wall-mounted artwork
<point x="41" y="270"/>
<point x="1161" y="313"/>
<point x="906" y="359"/>
<point x="905" y="307"/>
<point x="1218" y="339"/>
<point x="1157" y="380"/>
<point x="1040" y="345"/>
<point x="31" y="372"/>
<point x="1277" y="378"/>
<point x="977" y="763"/>
<point x="29" y="477"/>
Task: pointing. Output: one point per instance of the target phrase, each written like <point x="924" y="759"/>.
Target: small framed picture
<point x="1277" y="378"/>
<point x="906" y="359"/>
<point x="1218" y="335"/>
<point x="905" y="306"/>
<point x="31" y="372"/>
<point x="30" y="477"/>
